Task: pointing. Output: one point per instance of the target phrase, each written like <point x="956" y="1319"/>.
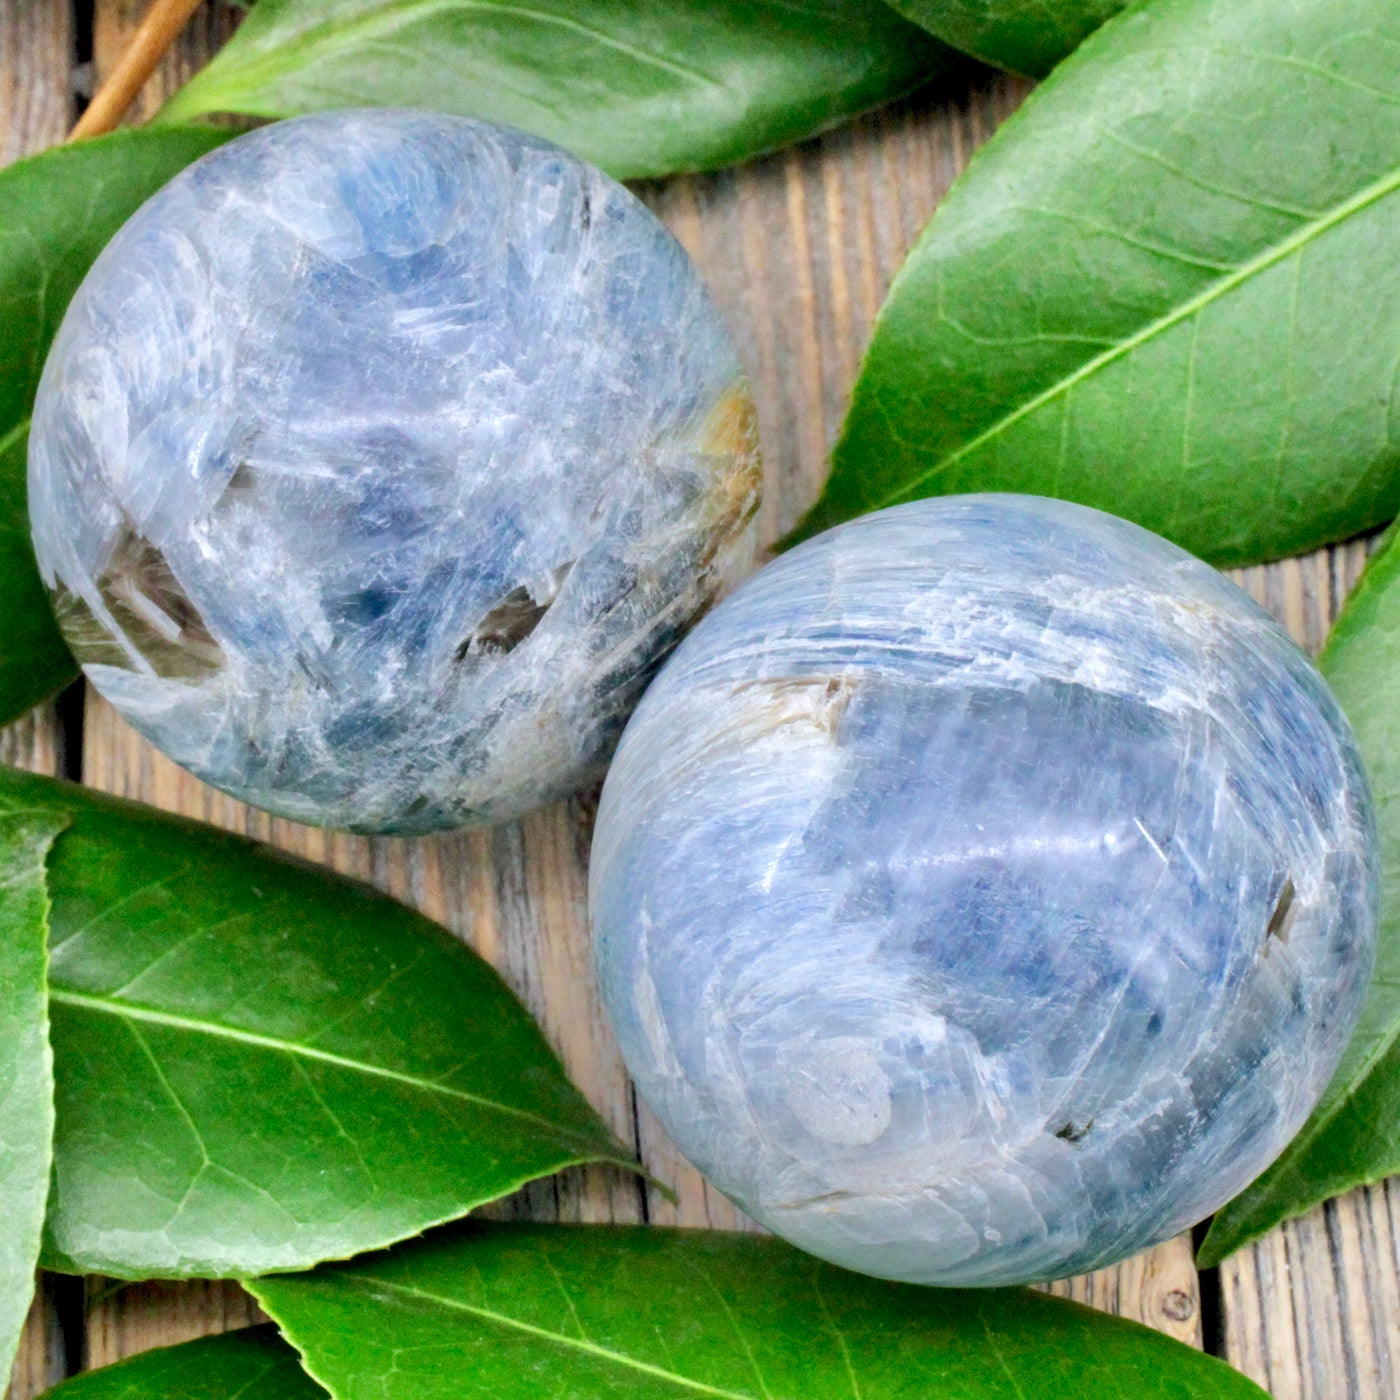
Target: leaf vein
<point x="592" y="1348"/>
<point x="150" y="1016"/>
<point x="1374" y="193"/>
<point x="176" y="1101"/>
<point x="379" y="25"/>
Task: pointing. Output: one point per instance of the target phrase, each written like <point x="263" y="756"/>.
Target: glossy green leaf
<point x="1026" y="36"/>
<point x="252" y="1364"/>
<point x="1169" y="287"/>
<point x="1353" y="1136"/>
<point x="57" y="211"/>
<point x="26" y="1066"/>
<point x="34" y="661"/>
<point x="602" y="1313"/>
<point x="639" y="87"/>
<point x="261" y="1065"/>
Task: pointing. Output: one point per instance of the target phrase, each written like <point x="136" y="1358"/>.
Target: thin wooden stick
<point x="162" y="25"/>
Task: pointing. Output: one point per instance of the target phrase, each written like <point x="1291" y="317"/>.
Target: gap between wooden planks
<point x="799" y="248"/>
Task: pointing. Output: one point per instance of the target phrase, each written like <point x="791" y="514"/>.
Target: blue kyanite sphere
<point x="984" y="892"/>
<point x="378" y="462"/>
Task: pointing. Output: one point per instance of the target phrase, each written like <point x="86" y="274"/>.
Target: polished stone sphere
<point x="984" y="892"/>
<point x="379" y="461"/>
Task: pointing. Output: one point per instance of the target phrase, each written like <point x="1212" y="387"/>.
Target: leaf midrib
<point x="1262" y="261"/>
<point x="150" y="1016"/>
<point x="387" y="20"/>
<point x="576" y="1343"/>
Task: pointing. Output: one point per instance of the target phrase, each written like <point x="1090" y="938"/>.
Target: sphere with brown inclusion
<point x="986" y="891"/>
<point x="379" y="461"/>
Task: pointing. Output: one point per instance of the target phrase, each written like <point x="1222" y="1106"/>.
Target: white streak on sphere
<point x="379" y="461"/>
<point x="986" y="891"/>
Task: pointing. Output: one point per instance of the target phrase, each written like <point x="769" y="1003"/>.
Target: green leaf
<point x="1026" y="36"/>
<point x="26" y="1066"/>
<point x="57" y="211"/>
<point x="252" y="1364"/>
<point x="1353" y="1136"/>
<point x="639" y="87"/>
<point x="34" y="660"/>
<point x="261" y="1065"/>
<point x="599" y="1313"/>
<point x="1169" y="287"/>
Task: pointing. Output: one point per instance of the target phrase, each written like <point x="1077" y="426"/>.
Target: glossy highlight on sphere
<point x="379" y="461"/>
<point x="984" y="892"/>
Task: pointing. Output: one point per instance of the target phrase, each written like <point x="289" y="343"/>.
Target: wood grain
<point x="800" y="249"/>
<point x="161" y="25"/>
<point x="115" y="23"/>
<point x="1312" y="1311"/>
<point x="33" y="742"/>
<point x="36" y="73"/>
<point x="122" y="1319"/>
<point x="40" y="1361"/>
<point x="1159" y="1287"/>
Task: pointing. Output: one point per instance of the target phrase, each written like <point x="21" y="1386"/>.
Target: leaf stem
<point x="162" y="25"/>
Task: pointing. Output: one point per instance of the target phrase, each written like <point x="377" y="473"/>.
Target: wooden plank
<point x="36" y="108"/>
<point x="114" y="22"/>
<point x="1159" y="1287"/>
<point x="33" y="741"/>
<point x="36" y="74"/>
<point x="42" y="1359"/>
<point x="125" y="1318"/>
<point x="1312" y="1311"/>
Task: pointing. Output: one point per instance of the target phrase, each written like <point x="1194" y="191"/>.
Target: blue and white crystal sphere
<point x="986" y="891"/>
<point x="379" y="461"/>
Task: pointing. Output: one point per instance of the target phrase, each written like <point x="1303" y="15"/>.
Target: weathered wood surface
<point x="799" y="248"/>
